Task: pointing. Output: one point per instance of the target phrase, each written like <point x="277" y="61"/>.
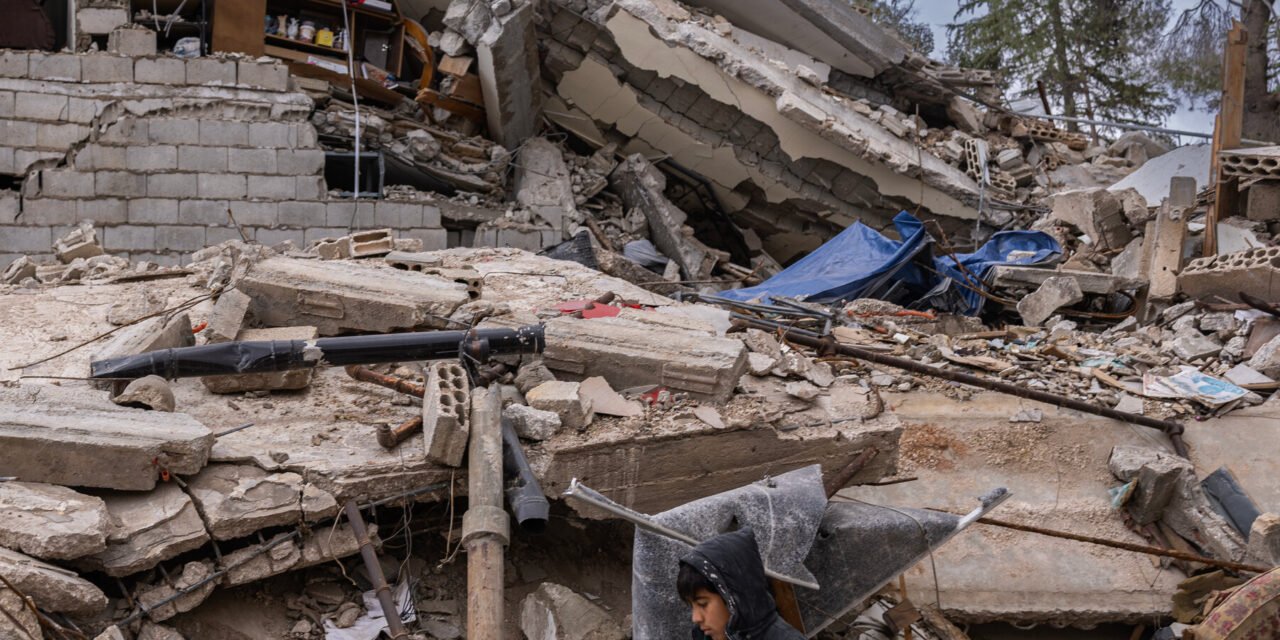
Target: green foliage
<point x="900" y="15"/>
<point x="1093" y="56"/>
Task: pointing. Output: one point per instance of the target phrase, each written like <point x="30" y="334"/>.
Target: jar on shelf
<point x="307" y="31"/>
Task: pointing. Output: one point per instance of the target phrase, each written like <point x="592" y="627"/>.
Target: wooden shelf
<point x="305" y="46"/>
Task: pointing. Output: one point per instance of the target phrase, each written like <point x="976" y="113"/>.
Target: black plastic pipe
<point x="524" y="494"/>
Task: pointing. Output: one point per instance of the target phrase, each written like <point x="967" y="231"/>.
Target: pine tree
<point x="1094" y="57"/>
<point x="900" y="16"/>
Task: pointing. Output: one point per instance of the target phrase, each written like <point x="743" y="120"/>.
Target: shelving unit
<point x="377" y="36"/>
<point x="195" y="21"/>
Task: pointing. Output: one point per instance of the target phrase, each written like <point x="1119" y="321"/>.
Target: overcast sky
<point x="938" y="13"/>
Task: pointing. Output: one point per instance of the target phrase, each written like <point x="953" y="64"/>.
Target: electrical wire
<point x="355" y="101"/>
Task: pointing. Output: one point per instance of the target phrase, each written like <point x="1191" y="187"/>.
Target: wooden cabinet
<point x="376" y="35"/>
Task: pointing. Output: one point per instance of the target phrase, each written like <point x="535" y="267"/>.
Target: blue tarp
<point x="860" y="262"/>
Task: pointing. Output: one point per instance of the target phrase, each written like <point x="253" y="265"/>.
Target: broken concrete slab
<point x="193" y="573"/>
<point x="446" y="413"/>
<point x="1193" y="347"/>
<point x="53" y="588"/>
<point x="1055" y="293"/>
<point x="1097" y="213"/>
<point x="530" y="423"/>
<point x="604" y="400"/>
<point x="1088" y="281"/>
<point x="323" y="544"/>
<point x="507" y="63"/>
<point x="1266" y="360"/>
<point x="237" y="500"/>
<point x="61" y="436"/>
<point x="145" y="529"/>
<point x="227" y="317"/>
<point x="274" y="381"/>
<point x="642" y="186"/>
<point x="633" y="350"/>
<point x="1255" y="271"/>
<point x="1264" y="541"/>
<point x="565" y="400"/>
<point x="51" y="522"/>
<point x="556" y="612"/>
<point x="543" y="186"/>
<point x="151" y="334"/>
<point x="335" y="296"/>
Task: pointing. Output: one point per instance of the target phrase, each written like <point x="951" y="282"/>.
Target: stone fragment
<point x="338" y="296"/>
<point x="1186" y="509"/>
<point x="1264" y="541"/>
<point x="820" y="373"/>
<point x="145" y="529"/>
<point x="148" y="392"/>
<point x="446" y="413"/>
<point x="1095" y="212"/>
<point x="759" y="364"/>
<point x="1027" y="415"/>
<point x="18" y="270"/>
<point x="763" y="342"/>
<point x="1262" y="200"/>
<point x="80" y="242"/>
<point x="322" y="544"/>
<point x="641" y="186"/>
<point x="135" y="43"/>
<point x="152" y="631"/>
<point x="803" y="390"/>
<point x="1266" y="360"/>
<point x="1194" y="347"/>
<point x="543" y="186"/>
<point x="228" y="315"/>
<point x="152" y="334"/>
<point x="195" y="572"/>
<point x="1055" y="293"/>
<point x="638" y="349"/>
<point x="555" y="612"/>
<point x="269" y="381"/>
<point x="237" y="500"/>
<point x="1242" y="374"/>
<point x="965" y="116"/>
<point x="51" y="522"/>
<point x="563" y="399"/>
<point x="530" y="423"/>
<point x="709" y="415"/>
<point x="604" y="400"/>
<point x="53" y="588"/>
<point x="532" y="374"/>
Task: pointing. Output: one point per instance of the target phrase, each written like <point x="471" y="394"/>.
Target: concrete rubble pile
<point x="605" y="174"/>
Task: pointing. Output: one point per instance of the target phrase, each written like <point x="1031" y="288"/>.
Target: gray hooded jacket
<point x="731" y="562"/>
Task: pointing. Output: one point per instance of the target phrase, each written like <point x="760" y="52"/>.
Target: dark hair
<point x="691" y="581"/>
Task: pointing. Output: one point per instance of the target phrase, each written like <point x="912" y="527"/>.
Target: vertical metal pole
<point x="394" y="624"/>
<point x="485" y="526"/>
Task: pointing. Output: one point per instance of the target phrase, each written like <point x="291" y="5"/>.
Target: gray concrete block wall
<point x="203" y="151"/>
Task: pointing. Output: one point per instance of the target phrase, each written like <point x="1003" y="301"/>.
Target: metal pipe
<point x="265" y="356"/>
<point x="391" y="438"/>
<point x="365" y="374"/>
<point x="485" y="527"/>
<point x="524" y="494"/>
<point x="829" y="345"/>
<point x="374" y="568"/>
<point x="586" y="494"/>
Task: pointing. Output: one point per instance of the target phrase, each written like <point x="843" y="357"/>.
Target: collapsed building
<point x="665" y="194"/>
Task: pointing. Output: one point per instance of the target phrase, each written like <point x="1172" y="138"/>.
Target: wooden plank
<point x="237" y="26"/>
<point x="1227" y="133"/>
<point x="367" y="89"/>
<point x="456" y="66"/>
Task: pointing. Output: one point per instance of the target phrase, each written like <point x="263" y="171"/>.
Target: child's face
<point x="710" y="613"/>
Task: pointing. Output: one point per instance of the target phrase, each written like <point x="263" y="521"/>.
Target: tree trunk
<point x="1064" y="78"/>
<point x="1261" y="107"/>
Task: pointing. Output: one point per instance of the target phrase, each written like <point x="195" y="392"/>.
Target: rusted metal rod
<point x="1127" y="546"/>
<point x="486" y="529"/>
<point x="391" y="438"/>
<point x="840" y="479"/>
<point x="389" y="609"/>
<point x="828" y="345"/>
<point x="365" y="374"/>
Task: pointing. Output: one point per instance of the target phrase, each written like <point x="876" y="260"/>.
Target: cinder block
<point x="222" y="185"/>
<point x="14" y="64"/>
<point x="446" y="408"/>
<point x="47" y="212"/>
<point x="211" y="72"/>
<point x="432" y="239"/>
<point x="93" y="157"/>
<point x="1263" y="200"/>
<point x="128" y="237"/>
<point x="224" y="133"/>
<point x="302" y="214"/>
<point x="202" y="159"/>
<point x="153" y="211"/>
<point x="179" y="238"/>
<point x="105" y="68"/>
<point x="103" y="211"/>
<point x="272" y="187"/>
<point x="166" y="71"/>
<point x="41" y="107"/>
<point x="120" y="183"/>
<point x="304" y="136"/>
<point x="64" y="67"/>
<point x="206" y="212"/>
<point x="267" y="76"/>
<point x="66" y="184"/>
<point x="217" y="235"/>
<point x="99" y="21"/>
<point x="259" y="161"/>
<point x="174" y="131"/>
<point x="126" y="131"/>
<point x="24" y="160"/>
<point x="299" y="162"/>
<point x="564" y="399"/>
<point x="153" y="158"/>
<point x="10" y="207"/>
<point x="171" y="185"/>
<point x="271" y="134"/>
<point x="8" y="104"/>
<point x="397" y="215"/>
<point x="15" y="133"/>
<point x="132" y="42"/>
<point x="8" y="166"/>
<point x="272" y="237"/>
<point x="81" y="110"/>
<point x="60" y="136"/>
<point x="431" y="216"/>
<point x="1254" y="271"/>
<point x="255" y="213"/>
<point x="342" y="213"/>
<point x="310" y="188"/>
<point x="26" y="239"/>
